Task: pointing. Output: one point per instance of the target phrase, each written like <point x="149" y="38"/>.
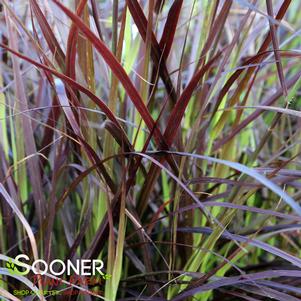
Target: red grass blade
<point x="178" y="111"/>
<point x="48" y="34"/>
<point x="157" y="55"/>
<point x="276" y="47"/>
<point x="116" y="68"/>
<point x="170" y="28"/>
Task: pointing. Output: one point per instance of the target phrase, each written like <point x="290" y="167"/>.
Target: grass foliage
<point x="158" y="136"/>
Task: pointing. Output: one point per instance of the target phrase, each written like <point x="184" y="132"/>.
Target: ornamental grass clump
<point x="150" y="150"/>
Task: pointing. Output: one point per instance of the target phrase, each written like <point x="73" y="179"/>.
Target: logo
<point x="13" y="270"/>
<point x="57" y="267"/>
